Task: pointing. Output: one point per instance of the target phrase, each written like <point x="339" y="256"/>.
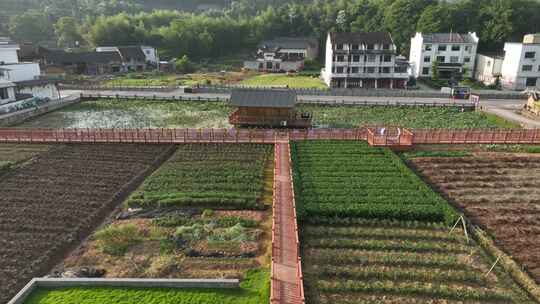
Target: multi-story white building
<point x="521" y="65"/>
<point x="455" y="54"/>
<point x="363" y="60"/>
<point x="21" y="80"/>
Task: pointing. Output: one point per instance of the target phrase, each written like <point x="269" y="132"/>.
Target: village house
<point x="363" y="60"/>
<point x="22" y="80"/>
<point x="135" y="57"/>
<point x="454" y="54"/>
<point x="488" y="68"/>
<point x="521" y="65"/>
<point x="285" y="54"/>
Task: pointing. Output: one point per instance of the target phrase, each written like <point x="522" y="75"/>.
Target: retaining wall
<point x="20" y="116"/>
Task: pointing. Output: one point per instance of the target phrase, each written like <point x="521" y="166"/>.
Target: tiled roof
<point x="132" y="52"/>
<point x="448" y="38"/>
<point x="362" y="38"/>
<point x="263" y="98"/>
<point x="62" y="57"/>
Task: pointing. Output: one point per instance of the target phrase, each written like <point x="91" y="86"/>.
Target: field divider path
<point x="287" y="285"/>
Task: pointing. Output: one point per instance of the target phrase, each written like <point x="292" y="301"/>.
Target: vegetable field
<point x="352" y="179"/>
<point x="220" y="176"/>
<point x="500" y="193"/>
<point x="284" y="80"/>
<point x="373" y="232"/>
<point x="407" y="117"/>
<point x="254" y="290"/>
<point x="50" y="204"/>
<point x="203" y="214"/>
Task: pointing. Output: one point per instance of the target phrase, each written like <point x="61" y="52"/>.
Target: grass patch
<point x="254" y="290"/>
<point x="115" y="240"/>
<point x="500" y="122"/>
<point x="512" y="148"/>
<point x="407" y="117"/>
<point x="417" y="154"/>
<point x="284" y="80"/>
<point x="142" y="80"/>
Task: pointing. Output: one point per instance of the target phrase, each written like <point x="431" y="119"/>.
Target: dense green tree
<point x="33" y="26"/>
<point x="435" y="19"/>
<point x="67" y="32"/>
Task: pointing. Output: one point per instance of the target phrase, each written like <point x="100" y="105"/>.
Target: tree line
<point x="243" y="23"/>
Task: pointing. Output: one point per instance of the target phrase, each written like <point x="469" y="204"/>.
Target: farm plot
<point x="12" y="155"/>
<point x="203" y="214"/>
<point x="49" y="205"/>
<point x="500" y="193"/>
<point x="352" y="179"/>
<point x="407" y="117"/>
<point x="373" y="232"/>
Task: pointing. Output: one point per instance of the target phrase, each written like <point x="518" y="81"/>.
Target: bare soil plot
<point x="52" y="203"/>
<point x="498" y="192"/>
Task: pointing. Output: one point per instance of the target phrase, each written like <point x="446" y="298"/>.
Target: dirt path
<point x="286" y="281"/>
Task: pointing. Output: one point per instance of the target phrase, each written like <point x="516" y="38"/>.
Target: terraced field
<point x="398" y="248"/>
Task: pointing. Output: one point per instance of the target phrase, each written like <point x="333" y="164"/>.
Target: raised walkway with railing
<point x="286" y="273"/>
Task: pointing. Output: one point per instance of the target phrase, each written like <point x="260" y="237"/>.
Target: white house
<point x="283" y="54"/>
<point x="454" y="52"/>
<point x="363" y="60"/>
<point x="134" y="55"/>
<point x="488" y="68"/>
<point x="26" y="76"/>
<point x="521" y="65"/>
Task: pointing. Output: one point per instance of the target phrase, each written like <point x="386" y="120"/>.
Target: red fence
<point x="377" y="136"/>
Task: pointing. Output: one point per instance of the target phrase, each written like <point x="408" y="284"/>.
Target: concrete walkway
<point x="286" y="274"/>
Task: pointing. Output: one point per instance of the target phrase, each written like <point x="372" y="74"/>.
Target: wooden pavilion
<point x="267" y="108"/>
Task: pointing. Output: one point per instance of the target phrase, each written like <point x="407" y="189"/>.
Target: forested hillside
<point x="224" y="27"/>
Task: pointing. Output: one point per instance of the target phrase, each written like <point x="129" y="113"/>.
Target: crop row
<point x="220" y="176"/>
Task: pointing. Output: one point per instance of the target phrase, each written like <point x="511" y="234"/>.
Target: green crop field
<point x="142" y="81"/>
<point x="373" y="232"/>
<point x="284" y="80"/>
<point x="407" y="117"/>
<point x="336" y="179"/>
<point x="254" y="290"/>
<point x="111" y="113"/>
<point x="208" y="175"/>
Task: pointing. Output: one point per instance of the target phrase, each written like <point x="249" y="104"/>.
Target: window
<point x="468" y="48"/>
<point x="339" y="70"/>
<point x="261" y="66"/>
<point x="442" y="47"/>
<point x="355" y="47"/>
<point x="468" y="59"/>
<point x="269" y="65"/>
<point x="147" y="52"/>
<point x="386" y="46"/>
<point x="356" y="58"/>
<point x="355" y="70"/>
<point x="339" y="46"/>
<point x="370" y="69"/>
<point x="370" y="46"/>
<point x="401" y="69"/>
<point x="456" y="48"/>
<point x="526" y="68"/>
<point x="425" y="71"/>
<point x="278" y="66"/>
<point x="428" y="47"/>
<point x="4" y="93"/>
<point x="427" y="59"/>
<point x="333" y="70"/>
<point x="488" y="64"/>
<point x="387" y="58"/>
<point x="371" y="58"/>
<point x="340" y="58"/>
<point x="531" y="82"/>
<point x="454" y="59"/>
<point x="385" y="70"/>
<point x="441" y="59"/>
<point x="530" y="55"/>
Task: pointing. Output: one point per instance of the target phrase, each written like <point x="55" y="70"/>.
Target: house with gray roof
<point x="363" y="60"/>
<point x="283" y="54"/>
<point x="454" y="54"/>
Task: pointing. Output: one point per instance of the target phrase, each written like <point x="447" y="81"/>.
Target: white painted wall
<point x="488" y="68"/>
<point x="327" y="73"/>
<point x="8" y="54"/>
<point x="22" y="71"/>
<point x="10" y="88"/>
<point x="513" y="76"/>
<point x="42" y="91"/>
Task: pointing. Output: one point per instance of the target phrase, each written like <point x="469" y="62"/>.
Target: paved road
<point x="506" y="108"/>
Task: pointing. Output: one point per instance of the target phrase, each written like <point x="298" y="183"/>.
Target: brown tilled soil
<point x="52" y="203"/>
<point x="501" y="193"/>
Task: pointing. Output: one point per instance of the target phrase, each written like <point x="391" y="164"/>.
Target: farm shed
<point x="267" y="108"/>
